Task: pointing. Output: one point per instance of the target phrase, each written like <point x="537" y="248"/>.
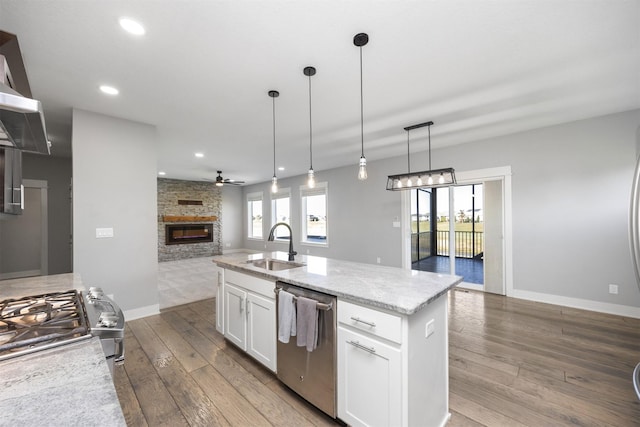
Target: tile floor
<point x="185" y="281"/>
<point x="471" y="269"/>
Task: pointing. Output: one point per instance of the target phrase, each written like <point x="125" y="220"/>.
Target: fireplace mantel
<point x="183" y="218"/>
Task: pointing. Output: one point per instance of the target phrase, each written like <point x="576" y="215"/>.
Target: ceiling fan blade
<point x="220" y="180"/>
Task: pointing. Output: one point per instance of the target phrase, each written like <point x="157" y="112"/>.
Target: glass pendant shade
<point x="362" y="170"/>
<point x="311" y="180"/>
<point x="274" y="184"/>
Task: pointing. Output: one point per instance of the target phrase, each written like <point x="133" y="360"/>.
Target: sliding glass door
<point x="435" y="214"/>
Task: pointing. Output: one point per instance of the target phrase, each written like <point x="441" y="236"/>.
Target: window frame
<point x="283" y="193"/>
<point x="321" y="188"/>
<point x="254" y="197"/>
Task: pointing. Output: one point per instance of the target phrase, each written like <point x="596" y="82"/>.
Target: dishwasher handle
<point x="320" y="305"/>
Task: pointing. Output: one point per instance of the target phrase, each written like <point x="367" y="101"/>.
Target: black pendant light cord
<point x="408" y="155"/>
<point x="274" y="135"/>
<point x="310" y="128"/>
<point x="274" y="183"/>
<point x="429" y="130"/>
<point x="361" y="109"/>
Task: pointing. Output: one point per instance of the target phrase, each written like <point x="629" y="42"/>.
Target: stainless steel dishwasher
<point x="311" y="374"/>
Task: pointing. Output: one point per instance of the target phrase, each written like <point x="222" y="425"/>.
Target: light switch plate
<point x="102" y="233"/>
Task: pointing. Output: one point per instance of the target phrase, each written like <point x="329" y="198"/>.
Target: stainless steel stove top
<point x="39" y="322"/>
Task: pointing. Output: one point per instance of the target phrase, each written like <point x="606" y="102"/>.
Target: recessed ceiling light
<point x="199" y="154"/>
<point x="131" y="26"/>
<point x="280" y="168"/>
<point x="162" y="173"/>
<point x="109" y="90"/>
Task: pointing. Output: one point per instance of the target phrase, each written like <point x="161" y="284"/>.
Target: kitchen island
<point x="62" y="386"/>
<point x="392" y="332"/>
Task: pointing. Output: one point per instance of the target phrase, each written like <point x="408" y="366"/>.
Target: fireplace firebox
<point x="177" y="234"/>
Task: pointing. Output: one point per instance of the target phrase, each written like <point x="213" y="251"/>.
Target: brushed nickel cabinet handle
<point x="371" y="350"/>
<point x="357" y="319"/>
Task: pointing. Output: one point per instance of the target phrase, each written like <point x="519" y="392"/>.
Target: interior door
<point x="494" y="239"/>
<point x="24" y="243"/>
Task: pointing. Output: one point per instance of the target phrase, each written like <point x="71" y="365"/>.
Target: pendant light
<point x="274" y="181"/>
<point x="311" y="180"/>
<point x="360" y="40"/>
<point x="426" y="179"/>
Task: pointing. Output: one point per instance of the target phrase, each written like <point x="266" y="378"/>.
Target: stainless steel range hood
<point x="22" y="123"/>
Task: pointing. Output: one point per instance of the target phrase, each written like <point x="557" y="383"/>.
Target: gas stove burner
<point x="42" y="321"/>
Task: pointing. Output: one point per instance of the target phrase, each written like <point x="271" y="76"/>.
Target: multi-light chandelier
<point x="425" y="179"/>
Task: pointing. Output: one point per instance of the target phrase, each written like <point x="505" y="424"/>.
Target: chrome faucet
<point x="292" y="253"/>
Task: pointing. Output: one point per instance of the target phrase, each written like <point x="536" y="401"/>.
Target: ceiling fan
<point x="220" y="181"/>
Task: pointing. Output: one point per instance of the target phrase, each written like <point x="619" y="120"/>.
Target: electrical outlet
<point x="613" y="289"/>
<point x="430" y="328"/>
<point x="378" y="260"/>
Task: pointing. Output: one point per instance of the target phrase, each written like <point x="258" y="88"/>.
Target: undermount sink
<point x="274" y="264"/>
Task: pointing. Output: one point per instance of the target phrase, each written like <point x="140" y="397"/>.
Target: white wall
<point x="114" y="185"/>
<point x="232" y="219"/>
<point x="360" y="216"/>
<point x="570" y="187"/>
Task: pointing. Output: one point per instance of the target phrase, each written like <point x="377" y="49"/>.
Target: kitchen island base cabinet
<point x="250" y="316"/>
<point x="392" y="368"/>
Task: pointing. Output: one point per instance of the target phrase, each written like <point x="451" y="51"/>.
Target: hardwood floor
<point x="512" y="363"/>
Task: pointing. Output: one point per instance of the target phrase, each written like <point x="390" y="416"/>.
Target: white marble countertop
<point x="390" y="288"/>
<point x="63" y="386"/>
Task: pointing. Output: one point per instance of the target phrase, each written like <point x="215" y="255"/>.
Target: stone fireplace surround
<point x="193" y="202"/>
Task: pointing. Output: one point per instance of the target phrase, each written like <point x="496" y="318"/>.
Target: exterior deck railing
<point x="468" y="244"/>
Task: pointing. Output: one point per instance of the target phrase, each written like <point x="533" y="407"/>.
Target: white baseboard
<point x="140" y="312"/>
<point x="602" y="307"/>
<point x="472" y="286"/>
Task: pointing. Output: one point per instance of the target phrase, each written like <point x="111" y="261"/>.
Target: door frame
<point x="471" y="177"/>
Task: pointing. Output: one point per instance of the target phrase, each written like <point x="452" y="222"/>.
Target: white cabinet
<point x="369" y="386"/>
<point x="261" y="330"/>
<point x="392" y="368"/>
<point x="235" y="316"/>
<point x="249" y="316"/>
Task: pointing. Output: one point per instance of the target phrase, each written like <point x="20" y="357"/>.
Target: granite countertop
<point x="395" y="289"/>
<point x="62" y="386"/>
<point x="16" y="288"/>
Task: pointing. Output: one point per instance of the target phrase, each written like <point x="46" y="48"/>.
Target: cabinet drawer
<point x="251" y="283"/>
<point x="379" y="323"/>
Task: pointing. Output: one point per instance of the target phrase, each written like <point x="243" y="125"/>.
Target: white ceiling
<point x="201" y="73"/>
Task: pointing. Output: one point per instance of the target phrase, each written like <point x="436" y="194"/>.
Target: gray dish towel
<point x="307" y="324"/>
<point x="286" y="316"/>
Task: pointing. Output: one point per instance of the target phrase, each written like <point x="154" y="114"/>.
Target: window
<point x="254" y="215"/>
<point x="281" y="212"/>
<point x="314" y="214"/>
